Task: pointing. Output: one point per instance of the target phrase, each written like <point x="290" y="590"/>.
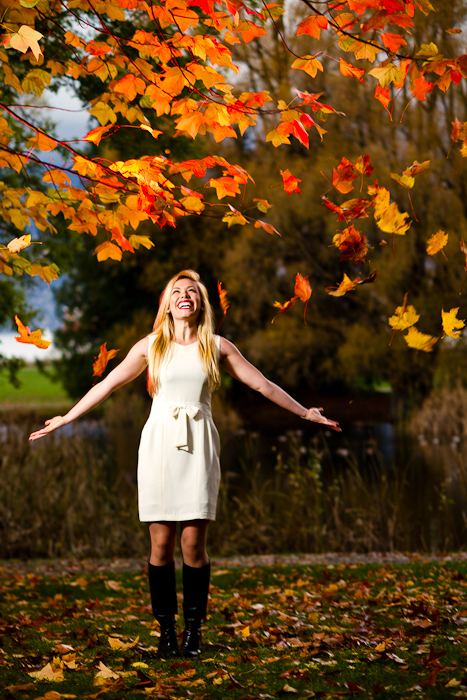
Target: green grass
<point x="36" y="388"/>
<point x="369" y="631"/>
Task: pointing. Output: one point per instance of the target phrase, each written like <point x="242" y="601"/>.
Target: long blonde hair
<point x="164" y="330"/>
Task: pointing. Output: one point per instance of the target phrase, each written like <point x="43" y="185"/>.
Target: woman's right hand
<point x="50" y="426"/>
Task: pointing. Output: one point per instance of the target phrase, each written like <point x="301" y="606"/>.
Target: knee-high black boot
<point x="195" y="599"/>
<point x="164" y="605"/>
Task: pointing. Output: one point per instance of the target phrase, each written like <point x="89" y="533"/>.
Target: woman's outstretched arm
<point x="132" y="366"/>
<point x="236" y="365"/>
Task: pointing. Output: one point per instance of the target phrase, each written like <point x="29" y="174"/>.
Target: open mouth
<point x="185" y="305"/>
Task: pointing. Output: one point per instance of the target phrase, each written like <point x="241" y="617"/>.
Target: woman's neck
<point x="185" y="333"/>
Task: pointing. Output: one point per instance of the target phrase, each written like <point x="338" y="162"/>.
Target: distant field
<point x="35" y="388"/>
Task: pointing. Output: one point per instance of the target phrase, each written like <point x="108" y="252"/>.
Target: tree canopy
<point x="347" y="109"/>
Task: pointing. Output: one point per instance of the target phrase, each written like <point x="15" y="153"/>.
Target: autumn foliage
<point x="177" y="70"/>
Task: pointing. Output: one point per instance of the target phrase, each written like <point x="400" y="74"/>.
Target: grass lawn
<point x="35" y="388"/>
<point x="380" y="631"/>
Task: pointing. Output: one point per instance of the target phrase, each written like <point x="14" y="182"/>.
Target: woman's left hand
<point x="315" y="415"/>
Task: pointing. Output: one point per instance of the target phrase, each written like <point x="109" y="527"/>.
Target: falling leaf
<point x="283" y="307"/>
<point x="352" y="244"/>
<point x="347" y="285"/>
<point x="404" y="317"/>
<point x="436" y="243"/>
<point x="34" y="338"/>
<point x="420" y="341"/>
<point x="18" y="244"/>
<point x="302" y="290"/>
<point x="223" y="301"/>
<point x="98" y="369"/>
<point x="451" y="323"/>
<point x="343" y="176"/>
<point x="290" y="182"/>
<point x="407" y="179"/>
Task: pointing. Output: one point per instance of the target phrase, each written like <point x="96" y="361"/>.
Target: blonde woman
<point x="178" y="460"/>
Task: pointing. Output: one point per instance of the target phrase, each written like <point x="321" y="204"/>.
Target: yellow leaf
<point x="420" y="341"/>
<point x="436" y="242"/>
<point x="137" y="241"/>
<point x="453" y="683"/>
<point x="46" y="272"/>
<point x="50" y="672"/>
<point x="450" y="323"/>
<point x="117" y="643"/>
<point x="104" y="674"/>
<point x="245" y="632"/>
<point x="276" y="138"/>
<point x="387" y="74"/>
<point x="380" y="647"/>
<point x="103" y="113"/>
<point x="394" y="221"/>
<point x="404" y="317"/>
<point x="288" y="689"/>
<point x="108" y="250"/>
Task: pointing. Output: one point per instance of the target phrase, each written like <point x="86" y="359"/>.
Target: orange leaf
<point x="102" y="360"/>
<point x="283" y="307"/>
<point x="224" y="302"/>
<point x="225" y="187"/>
<point x="123" y="242"/>
<point x="343" y="176"/>
<point x="34" y="338"/>
<point x="393" y="42"/>
<point x="290" y="182"/>
<point x="347" y="285"/>
<point x="302" y="290"/>
<point x="95" y="135"/>
<point x="267" y="227"/>
<point x="456" y="129"/>
<point x="348" y="70"/>
<point x="312" y="26"/>
<point x="130" y="86"/>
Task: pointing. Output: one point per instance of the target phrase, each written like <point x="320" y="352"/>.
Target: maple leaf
<point x="456" y="129"/>
<point x="267" y="227"/>
<point x="283" y="307"/>
<point x="102" y="360"/>
<point x="303" y="291"/>
<point x="97" y="134"/>
<point x="393" y="221"/>
<point x="104" y="674"/>
<point x="393" y="42"/>
<point x="451" y="323"/>
<point x="290" y="182"/>
<point x="18" y="244"/>
<point x="352" y="244"/>
<point x="223" y="301"/>
<point x="225" y="187"/>
<point x="384" y="96"/>
<point x="436" y="243"/>
<point x="107" y="250"/>
<point x="25" y="38"/>
<point x="117" y="643"/>
<point x="51" y="672"/>
<point x="420" y="341"/>
<point x="312" y="25"/>
<point x="309" y="64"/>
<point x="351" y="209"/>
<point x="347" y="285"/>
<point x="348" y="70"/>
<point x="407" y="179"/>
<point x="343" y="176"/>
<point x="34" y="338"/>
<point x="404" y="317"/>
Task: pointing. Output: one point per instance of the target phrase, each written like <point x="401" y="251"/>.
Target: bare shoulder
<point x="227" y="348"/>
<point x="141" y="347"/>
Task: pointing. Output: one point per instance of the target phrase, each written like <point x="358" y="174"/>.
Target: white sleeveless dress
<point x="178" y="458"/>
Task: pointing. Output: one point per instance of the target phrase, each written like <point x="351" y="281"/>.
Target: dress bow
<point x="182" y="413"/>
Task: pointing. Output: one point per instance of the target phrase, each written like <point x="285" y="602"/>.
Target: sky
<point x="71" y="122"/>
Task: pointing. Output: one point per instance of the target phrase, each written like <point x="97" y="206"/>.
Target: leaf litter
<point x="379" y="630"/>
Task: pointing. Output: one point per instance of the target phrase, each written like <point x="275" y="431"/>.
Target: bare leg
<point x="193" y="542"/>
<point x="162" y="543"/>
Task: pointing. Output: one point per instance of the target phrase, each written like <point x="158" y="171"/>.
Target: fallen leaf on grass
<point x="104" y="674"/>
<point x="117" y="643"/>
<point x="50" y="672"/>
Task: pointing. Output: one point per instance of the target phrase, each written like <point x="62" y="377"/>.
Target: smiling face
<point x="185" y="300"/>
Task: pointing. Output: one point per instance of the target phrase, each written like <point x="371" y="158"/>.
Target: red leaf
<point x="348" y="69"/>
<point x="290" y="182"/>
<point x="102" y="360"/>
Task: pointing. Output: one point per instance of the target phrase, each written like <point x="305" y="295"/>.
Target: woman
<point x="178" y="460"/>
